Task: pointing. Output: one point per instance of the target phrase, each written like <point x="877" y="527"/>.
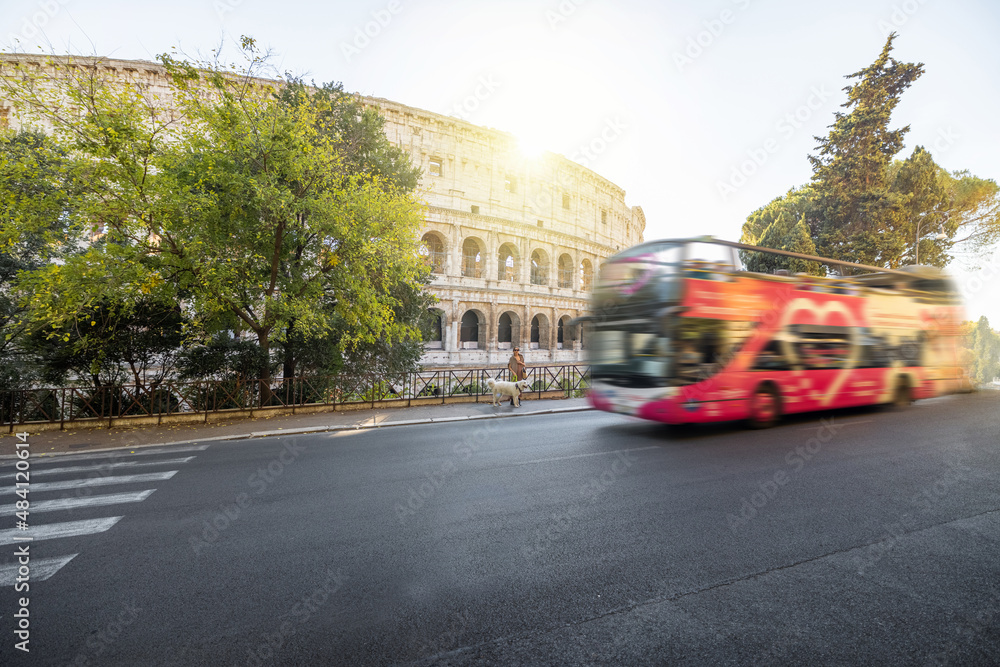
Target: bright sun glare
<point x="531" y="146"/>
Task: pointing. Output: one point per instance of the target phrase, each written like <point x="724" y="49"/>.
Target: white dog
<point x="500" y="388"/>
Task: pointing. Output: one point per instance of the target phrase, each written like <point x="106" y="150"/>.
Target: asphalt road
<point x="863" y="537"/>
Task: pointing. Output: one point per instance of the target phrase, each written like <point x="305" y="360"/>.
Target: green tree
<point x="222" y="357"/>
<point x="859" y="218"/>
<point x="359" y="132"/>
<point x="984" y="344"/>
<point x="864" y="206"/>
<point x="248" y="206"/>
<point x="113" y="343"/>
<point x="781" y="225"/>
<point x="918" y="185"/>
<point x="973" y="223"/>
<point x="36" y="212"/>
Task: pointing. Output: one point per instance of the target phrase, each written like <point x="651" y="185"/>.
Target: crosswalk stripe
<point x="59" y="504"/>
<point x="52" y="531"/>
<point x="118" y="454"/>
<point x="35" y="472"/>
<point x="37" y="487"/>
<point x="41" y="569"/>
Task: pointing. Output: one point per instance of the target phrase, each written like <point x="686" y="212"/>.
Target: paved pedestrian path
<point x="59" y="443"/>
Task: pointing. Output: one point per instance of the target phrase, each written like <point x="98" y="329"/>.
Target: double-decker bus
<point x="679" y="333"/>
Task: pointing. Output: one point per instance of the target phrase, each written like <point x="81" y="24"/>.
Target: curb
<point x="312" y="429"/>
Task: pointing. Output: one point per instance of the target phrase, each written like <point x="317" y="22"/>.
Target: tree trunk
<point x="264" y="376"/>
<point x="288" y="369"/>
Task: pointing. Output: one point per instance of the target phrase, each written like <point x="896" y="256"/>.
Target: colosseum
<point x="513" y="241"/>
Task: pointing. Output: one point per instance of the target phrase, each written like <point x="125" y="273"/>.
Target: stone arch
<point x="473" y="257"/>
<point x="586" y="275"/>
<point x="539" y="267"/>
<point x="433" y="249"/>
<point x="565" y="271"/>
<point x="566" y="333"/>
<point x="507" y="264"/>
<point x="437" y="326"/>
<point x="508" y="330"/>
<point x="539" y="332"/>
<point x="472" y="330"/>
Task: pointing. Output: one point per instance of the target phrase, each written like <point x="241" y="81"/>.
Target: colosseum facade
<point x="514" y="242"/>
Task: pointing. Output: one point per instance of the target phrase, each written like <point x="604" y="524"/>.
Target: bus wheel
<point x="903" y="395"/>
<point x="765" y="409"/>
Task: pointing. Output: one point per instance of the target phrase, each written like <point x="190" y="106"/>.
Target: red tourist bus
<point x="678" y="339"/>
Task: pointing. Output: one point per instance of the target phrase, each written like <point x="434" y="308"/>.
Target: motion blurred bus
<point x="680" y="333"/>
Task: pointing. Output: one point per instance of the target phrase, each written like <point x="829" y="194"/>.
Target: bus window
<point x="772" y="358"/>
<point x="822" y="347"/>
<point x="709" y="253"/>
<point x="910" y="350"/>
<point x="608" y="347"/>
<point x="875" y="351"/>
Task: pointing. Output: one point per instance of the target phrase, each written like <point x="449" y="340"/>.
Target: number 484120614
<point x="21" y="478"/>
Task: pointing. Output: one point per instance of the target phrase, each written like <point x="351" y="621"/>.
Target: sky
<point x="701" y="111"/>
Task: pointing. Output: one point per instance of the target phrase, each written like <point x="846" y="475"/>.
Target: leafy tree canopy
<point x="37" y="212"/>
<point x="863" y="205"/>
<point x="984" y="346"/>
<point x="252" y="203"/>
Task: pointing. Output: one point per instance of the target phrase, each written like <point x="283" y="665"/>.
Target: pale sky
<point x="701" y="111"/>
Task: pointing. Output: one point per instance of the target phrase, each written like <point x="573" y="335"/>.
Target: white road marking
<point x="41" y="569"/>
<point x="59" y="504"/>
<point x="52" y="531"/>
<point x="122" y="453"/>
<point x="92" y="481"/>
<point x="580" y="456"/>
<point x="37" y="472"/>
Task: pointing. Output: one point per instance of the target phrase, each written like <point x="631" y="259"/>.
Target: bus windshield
<point x="639" y="279"/>
<point x="640" y="337"/>
<point x="670" y="351"/>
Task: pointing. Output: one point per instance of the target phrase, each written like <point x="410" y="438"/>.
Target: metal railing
<point x="76" y="404"/>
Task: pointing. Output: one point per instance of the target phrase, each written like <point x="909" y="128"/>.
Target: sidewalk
<point x="87" y="440"/>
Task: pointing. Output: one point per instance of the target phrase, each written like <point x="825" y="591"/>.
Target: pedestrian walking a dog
<point x="516" y="366"/>
<point x="517" y="369"/>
